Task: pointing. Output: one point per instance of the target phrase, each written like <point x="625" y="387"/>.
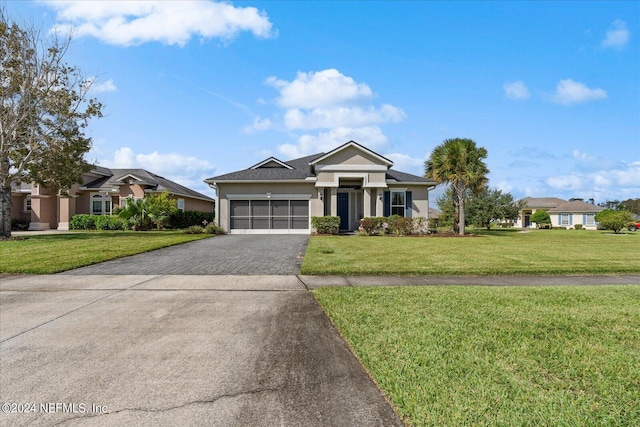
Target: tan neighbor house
<point x="100" y="192"/>
<point x="562" y="212"/>
<point x="350" y="181"/>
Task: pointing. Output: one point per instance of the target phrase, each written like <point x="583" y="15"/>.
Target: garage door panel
<point x="269" y="215"/>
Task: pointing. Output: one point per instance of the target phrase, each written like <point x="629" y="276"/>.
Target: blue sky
<point x="196" y="89"/>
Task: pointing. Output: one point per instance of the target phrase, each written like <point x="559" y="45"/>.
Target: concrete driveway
<point x="176" y="350"/>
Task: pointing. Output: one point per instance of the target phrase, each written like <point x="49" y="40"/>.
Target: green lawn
<point x="551" y="252"/>
<point x="53" y="253"/>
<point x="498" y="356"/>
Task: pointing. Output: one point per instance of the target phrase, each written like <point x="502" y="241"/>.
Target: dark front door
<point x="343" y="210"/>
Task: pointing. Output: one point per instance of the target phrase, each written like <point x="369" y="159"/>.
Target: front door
<point x="343" y="210"/>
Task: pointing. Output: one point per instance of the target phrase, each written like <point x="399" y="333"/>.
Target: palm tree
<point x="458" y="162"/>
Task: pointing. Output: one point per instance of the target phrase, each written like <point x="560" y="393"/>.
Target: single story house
<point x="562" y="212"/>
<point x="350" y="182"/>
<point x="101" y="190"/>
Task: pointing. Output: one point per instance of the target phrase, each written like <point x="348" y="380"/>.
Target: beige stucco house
<point x="351" y="182"/>
<point x="562" y="212"/>
<point x="100" y="192"/>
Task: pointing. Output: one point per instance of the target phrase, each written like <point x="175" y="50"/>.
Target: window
<point x="100" y="204"/>
<point x="398" y="202"/>
<point x="27" y="204"/>
<point x="590" y="219"/>
<point x="181" y="204"/>
<point x="564" y="219"/>
<point x="269" y="214"/>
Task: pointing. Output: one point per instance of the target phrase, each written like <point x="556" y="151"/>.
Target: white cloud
<point x="336" y="106"/>
<point x="189" y="171"/>
<point x="617" y="35"/>
<point x="611" y="183"/>
<point x="327" y="118"/>
<point x="569" y="92"/>
<point x="258" y="124"/>
<point x="406" y="163"/>
<point x="128" y="23"/>
<point x="516" y="90"/>
<point x="371" y="136"/>
<point x="326" y="88"/>
<point x="107" y="86"/>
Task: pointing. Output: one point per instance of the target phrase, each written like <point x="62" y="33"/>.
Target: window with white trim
<point x="100" y="204"/>
<point x="563" y="219"/>
<point x="398" y="199"/>
<point x="590" y="219"/>
<point x="181" y="204"/>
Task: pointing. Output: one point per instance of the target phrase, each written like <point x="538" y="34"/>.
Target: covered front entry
<point x="350" y="209"/>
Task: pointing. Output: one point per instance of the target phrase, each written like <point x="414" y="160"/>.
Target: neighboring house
<point x="100" y="192"/>
<point x="563" y="213"/>
<point x="350" y="181"/>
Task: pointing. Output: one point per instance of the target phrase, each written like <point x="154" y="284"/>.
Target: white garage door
<point x="269" y="216"/>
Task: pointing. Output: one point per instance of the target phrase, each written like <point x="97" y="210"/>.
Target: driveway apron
<point x="227" y="254"/>
<point x="219" y="332"/>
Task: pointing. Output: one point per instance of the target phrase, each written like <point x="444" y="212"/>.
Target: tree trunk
<point x="5" y="211"/>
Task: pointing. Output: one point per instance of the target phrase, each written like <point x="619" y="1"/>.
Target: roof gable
<point x="352" y="153"/>
<point x="271" y="162"/>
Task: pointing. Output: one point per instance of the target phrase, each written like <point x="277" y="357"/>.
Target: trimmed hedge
<point x="326" y="224"/>
<point x="96" y="222"/>
<point x="394" y="224"/>
<point x="18" y="224"/>
<point x="185" y="219"/>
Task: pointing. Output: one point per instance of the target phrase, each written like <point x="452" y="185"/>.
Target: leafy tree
<point x="160" y="207"/>
<point x="631" y="205"/>
<point x="610" y="219"/>
<point x="488" y="205"/>
<point x="460" y="163"/>
<point x="134" y="214"/>
<point x="540" y="217"/>
<point x="447" y="217"/>
<point x="44" y="110"/>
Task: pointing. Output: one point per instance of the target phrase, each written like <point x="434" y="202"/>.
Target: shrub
<point x="109" y="222"/>
<point x="401" y="226"/>
<point x="540" y="217"/>
<point x="83" y="222"/>
<point x="213" y="229"/>
<point x="374" y="225"/>
<point x="420" y="225"/>
<point x="185" y="219"/>
<point x="19" y="224"/>
<point x="194" y="229"/>
<point x="578" y="226"/>
<point x="326" y="224"/>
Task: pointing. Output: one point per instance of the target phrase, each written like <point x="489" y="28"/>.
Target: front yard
<point x="53" y="253"/>
<point x="508" y="252"/>
<point x="449" y="356"/>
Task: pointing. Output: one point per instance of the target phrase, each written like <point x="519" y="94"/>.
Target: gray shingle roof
<point x="577" y="206"/>
<point x="543" y="202"/>
<point x="301" y="170"/>
<point x="155" y="182"/>
<point x="406" y="177"/>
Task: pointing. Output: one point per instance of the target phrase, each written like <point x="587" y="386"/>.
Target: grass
<point x="540" y="252"/>
<point x="498" y="356"/>
<point x="53" y="253"/>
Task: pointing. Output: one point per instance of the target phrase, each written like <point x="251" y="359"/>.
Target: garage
<point x="269" y="216"/>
